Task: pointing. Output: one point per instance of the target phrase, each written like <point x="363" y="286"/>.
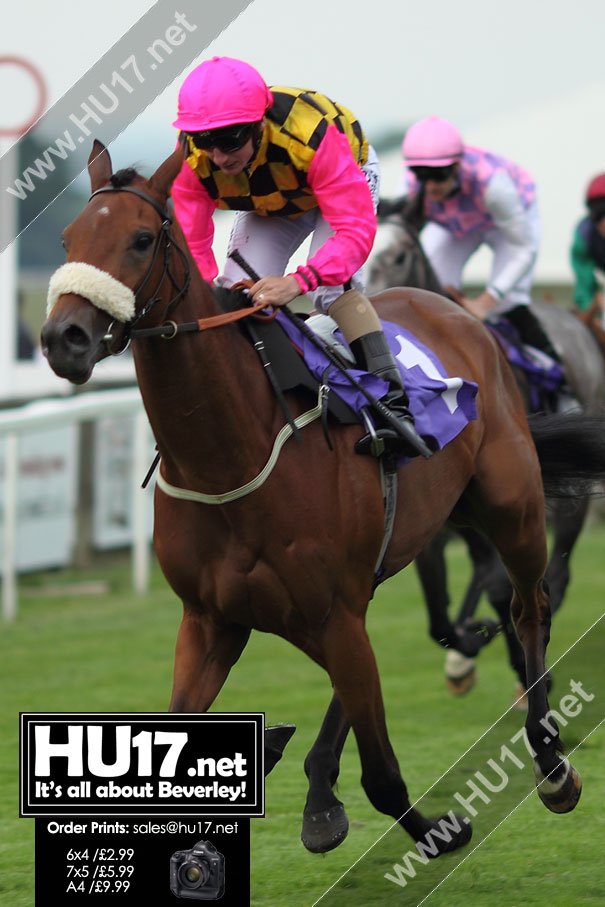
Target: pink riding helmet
<point x="219" y="92"/>
<point x="432" y="142"/>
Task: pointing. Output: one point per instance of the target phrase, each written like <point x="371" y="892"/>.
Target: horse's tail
<point x="571" y="450"/>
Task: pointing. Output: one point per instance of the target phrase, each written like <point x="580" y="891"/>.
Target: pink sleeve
<point x="345" y="201"/>
<point x="194" y="209"/>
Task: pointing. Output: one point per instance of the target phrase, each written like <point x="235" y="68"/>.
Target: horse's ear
<point x="167" y="172"/>
<point x="99" y="166"/>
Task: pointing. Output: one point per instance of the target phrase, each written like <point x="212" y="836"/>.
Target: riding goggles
<point x="227" y="139"/>
<point x="435" y="174"/>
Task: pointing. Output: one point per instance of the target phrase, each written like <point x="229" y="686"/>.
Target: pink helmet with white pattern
<point x="432" y="142"/>
<point x="221" y="92"/>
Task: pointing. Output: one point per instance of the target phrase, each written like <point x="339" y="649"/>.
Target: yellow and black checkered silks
<point x="275" y="183"/>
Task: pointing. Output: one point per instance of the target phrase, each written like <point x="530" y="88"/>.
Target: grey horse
<point x="398" y="259"/>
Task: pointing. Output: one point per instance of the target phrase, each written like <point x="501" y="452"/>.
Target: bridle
<point x="164" y="243"/>
<point x="169" y="329"/>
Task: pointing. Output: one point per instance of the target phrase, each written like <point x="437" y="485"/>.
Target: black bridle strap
<point x="164" y="234"/>
<point x="146" y="198"/>
<point x="168" y="243"/>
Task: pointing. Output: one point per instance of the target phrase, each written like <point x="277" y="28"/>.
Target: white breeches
<point x="448" y="255"/>
<point x="268" y="243"/>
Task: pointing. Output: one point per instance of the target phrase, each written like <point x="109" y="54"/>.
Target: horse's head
<point x="398" y="259"/>
<point x="393" y="259"/>
<point x="117" y="258"/>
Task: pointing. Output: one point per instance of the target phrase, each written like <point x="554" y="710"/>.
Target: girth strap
<point x="200" y="498"/>
<point x="388" y="480"/>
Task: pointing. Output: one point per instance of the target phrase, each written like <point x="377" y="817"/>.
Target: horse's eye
<point x="142" y="242"/>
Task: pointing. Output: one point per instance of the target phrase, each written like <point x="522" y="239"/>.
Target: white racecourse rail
<point x="15" y="423"/>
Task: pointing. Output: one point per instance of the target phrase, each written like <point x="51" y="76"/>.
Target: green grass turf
<point x="114" y="652"/>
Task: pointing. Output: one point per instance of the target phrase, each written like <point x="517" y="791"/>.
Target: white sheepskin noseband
<point x="99" y="287"/>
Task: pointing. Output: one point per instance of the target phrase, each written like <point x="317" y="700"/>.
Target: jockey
<point x="292" y="163"/>
<point x="588" y="249"/>
<point x="472" y="197"/>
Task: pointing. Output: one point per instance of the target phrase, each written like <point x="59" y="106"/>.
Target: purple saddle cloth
<point x="441" y="405"/>
<point x="544" y="375"/>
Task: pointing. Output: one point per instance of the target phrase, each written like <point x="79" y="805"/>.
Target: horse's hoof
<point x="446" y="838"/>
<point x="325" y="830"/>
<point x="276" y="739"/>
<point x="460" y="686"/>
<point x="563" y="797"/>
<point x="460" y="673"/>
<point x="520" y="702"/>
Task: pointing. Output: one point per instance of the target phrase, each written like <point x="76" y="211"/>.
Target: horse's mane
<point x="228" y="300"/>
<point x="124" y="177"/>
<point x="409" y="210"/>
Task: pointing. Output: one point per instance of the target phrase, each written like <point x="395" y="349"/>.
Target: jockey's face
<point x="438" y="192"/>
<point x="600" y="227"/>
<point x="439" y="182"/>
<point x="232" y="161"/>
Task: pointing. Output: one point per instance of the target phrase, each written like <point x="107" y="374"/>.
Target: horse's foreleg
<point x="568" y="521"/>
<point x="325" y="823"/>
<point x="205" y="653"/>
<point x="431" y="568"/>
<point x="482" y="555"/>
<point x="516" y="657"/>
<point x="350" y="661"/>
<point x="432" y="572"/>
<point x="463" y="643"/>
<point x="499" y="593"/>
<point x="487" y="569"/>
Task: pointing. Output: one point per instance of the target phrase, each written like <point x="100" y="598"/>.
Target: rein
<point x="170" y="329"/>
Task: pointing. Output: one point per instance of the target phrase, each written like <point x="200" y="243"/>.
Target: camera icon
<point x="199" y="873"/>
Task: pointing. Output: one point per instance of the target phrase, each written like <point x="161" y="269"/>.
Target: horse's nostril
<point x="76" y="338"/>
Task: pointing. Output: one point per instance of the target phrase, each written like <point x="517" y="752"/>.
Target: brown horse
<point x="296" y="556"/>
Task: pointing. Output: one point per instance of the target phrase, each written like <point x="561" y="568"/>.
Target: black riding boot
<point x="372" y="353"/>
<point x="531" y="331"/>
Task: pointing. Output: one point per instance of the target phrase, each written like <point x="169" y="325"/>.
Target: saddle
<point x="283" y="362"/>
<point x="442" y="406"/>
